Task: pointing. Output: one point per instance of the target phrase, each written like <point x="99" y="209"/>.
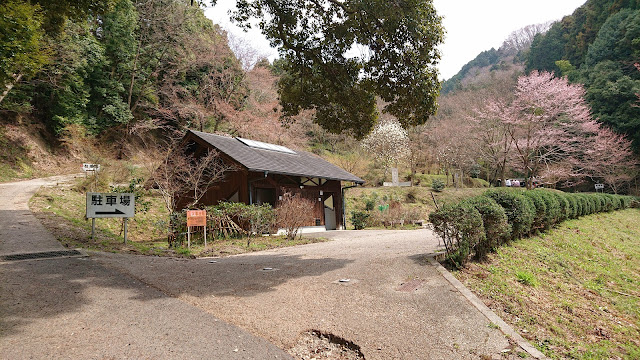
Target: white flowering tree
<point x="388" y="142"/>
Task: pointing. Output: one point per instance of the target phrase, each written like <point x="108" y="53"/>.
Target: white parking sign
<point x="109" y="205"/>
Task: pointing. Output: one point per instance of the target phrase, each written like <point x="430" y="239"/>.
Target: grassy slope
<point x="573" y="292"/>
<point x="415" y="197"/>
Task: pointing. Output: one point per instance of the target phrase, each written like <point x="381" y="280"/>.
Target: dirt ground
<point x="372" y="290"/>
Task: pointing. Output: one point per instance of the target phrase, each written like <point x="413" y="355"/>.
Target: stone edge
<point x="488" y="313"/>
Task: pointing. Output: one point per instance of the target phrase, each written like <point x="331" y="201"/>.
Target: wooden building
<point x="263" y="172"/>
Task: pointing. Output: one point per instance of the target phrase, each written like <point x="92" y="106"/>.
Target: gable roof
<point x="300" y="163"/>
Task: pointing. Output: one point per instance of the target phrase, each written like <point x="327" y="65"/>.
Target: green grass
<point x="574" y="292"/>
<point x="62" y="211"/>
<point x="415" y="196"/>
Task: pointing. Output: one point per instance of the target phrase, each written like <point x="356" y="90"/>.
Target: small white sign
<point x="599" y="186"/>
<point x="110" y="205"/>
<point x="91" y="167"/>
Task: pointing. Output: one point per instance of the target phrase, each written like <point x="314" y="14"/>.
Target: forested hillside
<point x="116" y="66"/>
<point x="598" y="46"/>
<point x="483" y="125"/>
<point x="122" y="72"/>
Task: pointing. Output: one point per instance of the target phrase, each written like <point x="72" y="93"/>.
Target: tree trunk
<point x="10" y="85"/>
<point x="503" y="182"/>
<point x="133" y="77"/>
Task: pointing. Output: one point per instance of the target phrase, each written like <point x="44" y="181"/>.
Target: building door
<point x="329" y="213"/>
<point x="265" y="196"/>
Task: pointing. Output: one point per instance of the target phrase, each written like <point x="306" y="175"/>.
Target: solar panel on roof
<point x="265" y="146"/>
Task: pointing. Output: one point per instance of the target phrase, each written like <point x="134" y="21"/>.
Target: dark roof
<point x="301" y="163"/>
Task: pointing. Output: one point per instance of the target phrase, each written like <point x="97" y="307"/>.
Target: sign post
<point x="93" y="168"/>
<point x="90" y="167"/>
<point x="599" y="187"/>
<point x="196" y="218"/>
<point x="110" y="205"/>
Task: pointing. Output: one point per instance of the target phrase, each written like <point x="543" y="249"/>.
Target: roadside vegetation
<point x="62" y="211"/>
<point x="481" y="224"/>
<point x="573" y="292"/>
<point x="399" y="207"/>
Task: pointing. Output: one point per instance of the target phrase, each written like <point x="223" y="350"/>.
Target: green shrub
<point x="460" y="227"/>
<point x="177" y="229"/>
<point x="554" y="211"/>
<point x="606" y="201"/>
<point x="621" y="202"/>
<point x="519" y="209"/>
<point x="599" y="202"/>
<point x="565" y="211"/>
<point x="574" y="209"/>
<point x="583" y="206"/>
<point x="591" y="200"/>
<point x="359" y="219"/>
<point x="496" y="226"/>
<point x="541" y="210"/>
<point x="437" y="185"/>
<point x="369" y="204"/>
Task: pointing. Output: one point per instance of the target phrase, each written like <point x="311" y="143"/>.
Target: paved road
<point x="396" y="305"/>
<point x="85" y="309"/>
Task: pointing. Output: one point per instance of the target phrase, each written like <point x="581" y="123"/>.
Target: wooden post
<point x="125" y="229"/>
<point x="93" y="228"/>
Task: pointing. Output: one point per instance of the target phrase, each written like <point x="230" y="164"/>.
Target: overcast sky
<point x="471" y="26"/>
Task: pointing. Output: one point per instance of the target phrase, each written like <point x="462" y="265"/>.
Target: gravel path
<point x="395" y="305"/>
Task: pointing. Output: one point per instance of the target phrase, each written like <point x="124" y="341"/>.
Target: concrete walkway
<point x="79" y="308"/>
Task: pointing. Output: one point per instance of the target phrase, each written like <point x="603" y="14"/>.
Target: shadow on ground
<point x="242" y="276"/>
<point x="48" y="288"/>
<point x="39" y="289"/>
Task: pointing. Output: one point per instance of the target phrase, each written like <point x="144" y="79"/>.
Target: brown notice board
<point x="196" y="218"/>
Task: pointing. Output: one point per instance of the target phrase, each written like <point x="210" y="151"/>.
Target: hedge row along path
<point x="481" y="224"/>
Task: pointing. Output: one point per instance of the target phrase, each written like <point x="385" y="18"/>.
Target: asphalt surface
<point x="81" y="308"/>
<point x="395" y="304"/>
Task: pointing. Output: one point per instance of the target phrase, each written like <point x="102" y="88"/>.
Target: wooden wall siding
<point x="241" y="181"/>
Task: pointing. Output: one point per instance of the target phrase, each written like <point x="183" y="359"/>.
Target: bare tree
<point x="294" y="212"/>
<point x="244" y="51"/>
<point x="178" y="174"/>
<point x="610" y="159"/>
<point x="522" y="38"/>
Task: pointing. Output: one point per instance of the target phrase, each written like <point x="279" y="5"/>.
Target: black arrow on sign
<point x="117" y="212"/>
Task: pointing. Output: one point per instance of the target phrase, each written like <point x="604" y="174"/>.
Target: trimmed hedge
<point x="479" y="225"/>
<point x="496" y="225"/>
<point x="460" y="226"/>
<point x="539" y="220"/>
<point x="520" y="210"/>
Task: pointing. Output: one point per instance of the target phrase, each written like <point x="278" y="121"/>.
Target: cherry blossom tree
<point x="494" y="137"/>
<point x="610" y="159"/>
<point x="547" y="132"/>
<point x="547" y="122"/>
